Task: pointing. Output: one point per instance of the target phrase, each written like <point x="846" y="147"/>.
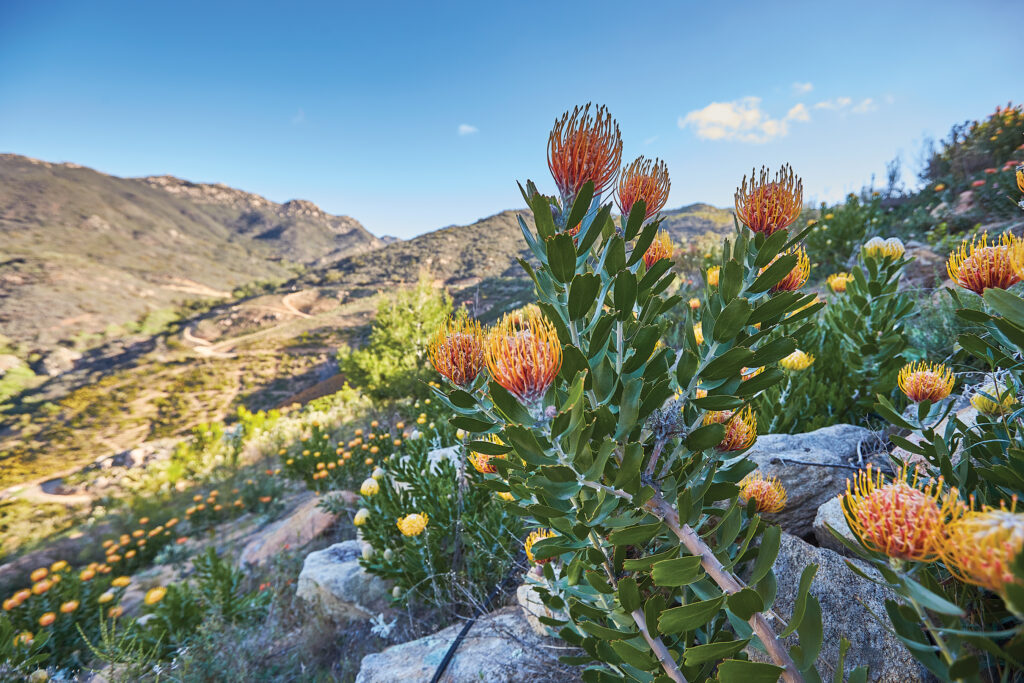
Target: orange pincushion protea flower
<point x="898" y="518"/>
<point x="457" y="350"/>
<point x="584" y="148"/>
<point x="523" y="354"/>
<point x="978" y="265"/>
<point x="766" y="206"/>
<point x="767" y="491"/>
<point x="926" y="381"/>
<point x="740" y="428"/>
<point x="980" y="547"/>
<point x="645" y="180"/>
<point x="660" y="248"/>
<point x="538" y="535"/>
<point x="795" y="278"/>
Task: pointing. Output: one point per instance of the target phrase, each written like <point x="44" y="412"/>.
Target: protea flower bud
<point x="523" y="354"/>
<point x="837" y="282"/>
<point x="796" y="361"/>
<point x="766" y="206"/>
<point x="926" y="381"/>
<point x="645" y="180"/>
<point x="977" y="265"/>
<point x="898" y="518"/>
<point x="660" y="248"/>
<point x="584" y="148"/>
<point x="713" y="274"/>
<point x="457" y="350"/>
<point x="995" y="399"/>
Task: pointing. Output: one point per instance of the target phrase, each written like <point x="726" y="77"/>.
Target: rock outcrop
<point x="813" y="467"/>
<point x="301" y="526"/>
<point x="333" y="580"/>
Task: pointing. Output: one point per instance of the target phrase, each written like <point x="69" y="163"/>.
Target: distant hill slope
<point x="82" y="250"/>
<point x="695" y="220"/>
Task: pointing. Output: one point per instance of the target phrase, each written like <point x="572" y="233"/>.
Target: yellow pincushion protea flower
<point x="413" y="525"/>
<point x="694" y="304"/>
<point x="698" y="332"/>
<point x="370" y="487"/>
<point x="980" y="547"/>
<point x="457" y="350"/>
<point x="978" y="265"/>
<point x="795" y="278"/>
<point x="534" y="537"/>
<point x="361" y="516"/>
<point x="661" y="248"/>
<point x="646" y="180"/>
<point x="995" y="400"/>
<point x="837" y="282"/>
<point x="796" y="361"/>
<point x="769" y="492"/>
<point x="899" y="518"/>
<point x="523" y="354"/>
<point x="740" y="428"/>
<point x="155" y="595"/>
<point x="876" y="247"/>
<point x="926" y="381"/>
<point x="713" y="273"/>
<point x="506" y="496"/>
<point x="766" y="205"/>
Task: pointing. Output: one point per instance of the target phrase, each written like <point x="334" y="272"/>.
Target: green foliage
<point x="838" y="230"/>
<point x="393" y="362"/>
<point x="20" y="654"/>
<point x="626" y="477"/>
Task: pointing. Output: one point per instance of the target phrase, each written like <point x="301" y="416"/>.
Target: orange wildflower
<point x="978" y="266"/>
<point x="457" y="350"/>
<point x="766" y="206"/>
<point x="981" y="547"/>
<point x="926" y="381"/>
<point x="740" y="428"/>
<point x="584" y="148"/>
<point x="523" y="354"/>
<point x="795" y="278"/>
<point x="660" y="248"/>
<point x="767" y="491"/>
<point x="645" y="180"/>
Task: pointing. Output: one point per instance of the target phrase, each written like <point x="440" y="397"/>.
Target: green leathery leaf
<point x="542" y="216"/>
<point x="730" y="280"/>
<point x="1006" y="304"/>
<point x="745" y="603"/>
<point x="633" y="656"/>
<point x="629" y="594"/>
<point x="728" y="364"/>
<point x="582" y="294"/>
<point x="718" y="403"/>
<point x="767" y="553"/>
<point x="489" y="447"/>
<point x="802" y="594"/>
<point x="698" y="654"/>
<point x="635" y="220"/>
<point x="635" y="535"/>
<point x="773" y="351"/>
<point x="508" y="405"/>
<point x="580" y="205"/>
<point x="647" y="235"/>
<point x="774" y="273"/>
<point x="624" y="294"/>
<point x="682" y="571"/>
<point x="616" y="256"/>
<point x="705" y="437"/>
<point x="562" y="256"/>
<point x="588" y="239"/>
<point x="744" y="671"/>
<point x="691" y="616"/>
<point x="731" y="320"/>
<point x="759" y="382"/>
<point x="770" y="249"/>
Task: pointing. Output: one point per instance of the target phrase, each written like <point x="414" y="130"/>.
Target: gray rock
<point x="813" y="467"/>
<point x="333" y="579"/>
<point x="58" y="361"/>
<point x="300" y="526"/>
<point x="847" y="602"/>
<point x="830" y="514"/>
<point x="533" y="608"/>
<point x="500" y="646"/>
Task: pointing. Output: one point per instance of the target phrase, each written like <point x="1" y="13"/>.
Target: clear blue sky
<point x="414" y="115"/>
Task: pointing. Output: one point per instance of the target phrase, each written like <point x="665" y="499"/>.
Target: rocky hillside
<point x="695" y="220"/>
<point x="83" y="250"/>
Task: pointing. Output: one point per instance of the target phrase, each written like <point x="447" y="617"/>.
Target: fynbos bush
<point x="627" y="455"/>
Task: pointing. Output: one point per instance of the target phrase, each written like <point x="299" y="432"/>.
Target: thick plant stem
<point x="727" y="582"/>
<point x="659" y="649"/>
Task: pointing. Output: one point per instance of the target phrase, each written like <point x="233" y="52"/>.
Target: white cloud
<point x="837" y="103"/>
<point x="298" y="118"/>
<point x="651" y="140"/>
<point x="741" y="120"/>
<point x="466" y="129"/>
<point x="798" y="113"/>
<point x="865" y="105"/>
<point x="802" y="88"/>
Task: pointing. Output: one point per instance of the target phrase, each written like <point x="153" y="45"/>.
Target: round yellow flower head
<point x="981" y="547"/>
<point x="69" y="606"/>
<point x="59" y="565"/>
<point x="798" y="360"/>
<point x="767" y="491"/>
<point x="694" y="304"/>
<point x="47" y="619"/>
<point x="837" y="282"/>
<point x="531" y="540"/>
<point x="361" y="516"/>
<point x="878" y="248"/>
<point x="713" y="273"/>
<point x="698" y="332"/>
<point x="370" y="487"/>
<point x="926" y="381"/>
<point x="899" y="518"/>
<point x="121" y="582"/>
<point x="39" y="574"/>
<point x="105" y="598"/>
<point x="994" y="399"/>
<point x="414" y="524"/>
<point x="155" y="595"/>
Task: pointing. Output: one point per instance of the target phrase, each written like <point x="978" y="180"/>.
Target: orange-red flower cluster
<point x="523" y="354"/>
<point x="457" y="350"/>
<point x="765" y="205"/>
<point x="645" y="180"/>
<point x="977" y="265"/>
<point x="660" y="248"/>
<point x="584" y="148"/>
